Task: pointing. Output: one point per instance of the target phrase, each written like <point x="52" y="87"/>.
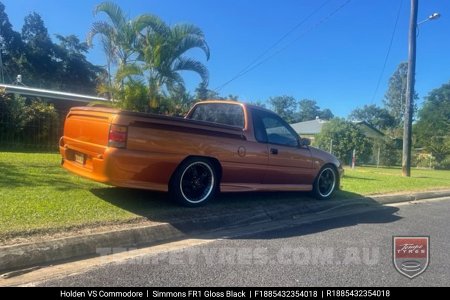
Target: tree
<point x="41" y="62"/>
<point x="146" y="48"/>
<point x="284" y="106"/>
<point x="390" y="153"/>
<point x="119" y="36"/>
<point x="134" y="96"/>
<point x="163" y="53"/>
<point x="75" y="73"/>
<point x="179" y="104"/>
<point x="394" y="99"/>
<point x="11" y="114"/>
<point x="203" y="93"/>
<point x="376" y="116"/>
<point x="326" y="114"/>
<point x="433" y="127"/>
<point x="345" y="136"/>
<point x="11" y="47"/>
<point x="40" y="65"/>
<point x="258" y="103"/>
<point x="309" y="110"/>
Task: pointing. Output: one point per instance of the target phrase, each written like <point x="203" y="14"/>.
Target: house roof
<point x="369" y="130"/>
<point x="309" y="127"/>
<point x="49" y="94"/>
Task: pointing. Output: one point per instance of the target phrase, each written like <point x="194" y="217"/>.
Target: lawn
<point x="37" y="196"/>
<point x="36" y="193"/>
<point x="370" y="180"/>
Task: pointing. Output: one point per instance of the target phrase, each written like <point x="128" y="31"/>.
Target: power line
<point x="282" y="38"/>
<point x="249" y="69"/>
<point x="388" y="51"/>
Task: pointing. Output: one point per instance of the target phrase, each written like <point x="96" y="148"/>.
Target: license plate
<point x="79" y="158"/>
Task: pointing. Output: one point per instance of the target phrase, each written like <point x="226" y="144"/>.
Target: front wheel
<point x="326" y="183"/>
<point x="194" y="183"/>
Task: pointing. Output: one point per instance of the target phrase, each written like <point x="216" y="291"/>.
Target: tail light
<point x="117" y="136"/>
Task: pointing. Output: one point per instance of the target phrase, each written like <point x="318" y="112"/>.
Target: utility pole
<point x="407" y="130"/>
<point x="2" y="77"/>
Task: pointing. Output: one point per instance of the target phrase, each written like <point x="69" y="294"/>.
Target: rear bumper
<point x="95" y="170"/>
<point x="123" y="168"/>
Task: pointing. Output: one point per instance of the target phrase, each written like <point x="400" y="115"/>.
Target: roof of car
<point x="230" y="101"/>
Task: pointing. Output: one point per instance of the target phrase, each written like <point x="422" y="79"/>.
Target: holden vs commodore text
<point x="219" y="146"/>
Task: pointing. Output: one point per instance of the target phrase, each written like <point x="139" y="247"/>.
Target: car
<point x="221" y="145"/>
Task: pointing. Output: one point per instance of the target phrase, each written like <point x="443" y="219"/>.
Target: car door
<point x="289" y="163"/>
<point x="243" y="162"/>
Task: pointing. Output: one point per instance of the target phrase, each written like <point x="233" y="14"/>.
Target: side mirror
<point x="304" y="142"/>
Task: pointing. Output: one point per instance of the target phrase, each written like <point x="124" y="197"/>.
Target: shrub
<point x="27" y="123"/>
<point x="346" y="136"/>
<point x="40" y="124"/>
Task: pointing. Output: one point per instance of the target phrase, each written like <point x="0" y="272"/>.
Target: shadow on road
<point x="241" y="209"/>
<point x="378" y="215"/>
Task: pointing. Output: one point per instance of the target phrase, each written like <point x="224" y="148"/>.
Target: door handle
<point x="273" y="151"/>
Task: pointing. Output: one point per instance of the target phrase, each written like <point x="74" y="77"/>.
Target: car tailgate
<point x="86" y="132"/>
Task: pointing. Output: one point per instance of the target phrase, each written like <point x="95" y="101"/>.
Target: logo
<point x="411" y="254"/>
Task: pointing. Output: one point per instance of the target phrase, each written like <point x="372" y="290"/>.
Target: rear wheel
<point x="194" y="183"/>
<point x="326" y="183"/>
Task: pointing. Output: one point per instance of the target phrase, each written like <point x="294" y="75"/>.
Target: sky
<point x="331" y="51"/>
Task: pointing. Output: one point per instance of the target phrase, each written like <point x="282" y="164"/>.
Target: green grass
<point x="37" y="196"/>
<point x="370" y="181"/>
<point x="37" y="193"/>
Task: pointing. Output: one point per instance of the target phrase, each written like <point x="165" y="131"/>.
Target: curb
<point x="407" y="197"/>
<point x="22" y="256"/>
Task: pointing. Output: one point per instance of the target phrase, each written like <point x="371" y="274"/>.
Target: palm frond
<point x="172" y="80"/>
<point x="189" y="42"/>
<point x="181" y="30"/>
<point x="127" y="71"/>
<point x="110" y="49"/>
<point x="188" y="64"/>
<point x="151" y="23"/>
<point x="113" y="11"/>
<point x="100" y="28"/>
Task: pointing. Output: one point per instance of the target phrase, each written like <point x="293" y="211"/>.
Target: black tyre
<point x="194" y="183"/>
<point x="326" y="183"/>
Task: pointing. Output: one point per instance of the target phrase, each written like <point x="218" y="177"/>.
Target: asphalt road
<point x="355" y="250"/>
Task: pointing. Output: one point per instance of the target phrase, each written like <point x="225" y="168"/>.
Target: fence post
<point x="378" y="157"/>
<point x="353" y="158"/>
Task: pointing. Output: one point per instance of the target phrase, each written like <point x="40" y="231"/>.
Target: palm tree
<point x="120" y="35"/>
<point x="146" y="47"/>
<point x="163" y="53"/>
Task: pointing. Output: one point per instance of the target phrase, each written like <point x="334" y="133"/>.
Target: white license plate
<point x="79" y="158"/>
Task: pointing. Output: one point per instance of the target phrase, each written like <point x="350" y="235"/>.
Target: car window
<point x="221" y="113"/>
<point x="272" y="129"/>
